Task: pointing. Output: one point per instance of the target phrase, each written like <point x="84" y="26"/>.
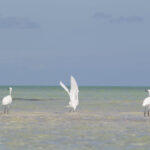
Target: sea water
<point x="108" y="118"/>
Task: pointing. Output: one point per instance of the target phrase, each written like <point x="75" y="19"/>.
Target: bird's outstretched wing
<point x="65" y="88"/>
<point x="74" y="86"/>
<point x="74" y="92"/>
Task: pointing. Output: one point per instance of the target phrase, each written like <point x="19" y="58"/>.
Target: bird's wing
<point x="65" y="88"/>
<point x="74" y="86"/>
<point x="74" y="92"/>
<point x="6" y="100"/>
<point x="146" y="102"/>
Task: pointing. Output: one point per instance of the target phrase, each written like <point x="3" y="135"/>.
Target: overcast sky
<point x="99" y="42"/>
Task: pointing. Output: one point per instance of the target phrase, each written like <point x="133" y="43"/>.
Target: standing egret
<point x="6" y="101"/>
<point x="146" y="103"/>
<point x="73" y="94"/>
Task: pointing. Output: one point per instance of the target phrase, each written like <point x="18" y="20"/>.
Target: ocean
<point x="106" y="118"/>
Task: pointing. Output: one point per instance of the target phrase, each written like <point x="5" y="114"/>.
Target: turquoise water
<point x="107" y="118"/>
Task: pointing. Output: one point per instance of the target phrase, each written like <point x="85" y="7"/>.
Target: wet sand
<point x="80" y="130"/>
<point x="108" y="118"/>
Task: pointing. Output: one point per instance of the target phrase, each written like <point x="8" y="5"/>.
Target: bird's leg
<point x="145" y="112"/>
<point x="4" y="109"/>
<point x="7" y="109"/>
<point x="148" y="112"/>
<point x="73" y="110"/>
<point x="70" y="110"/>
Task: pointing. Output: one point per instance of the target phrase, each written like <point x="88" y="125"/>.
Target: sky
<point x="99" y="42"/>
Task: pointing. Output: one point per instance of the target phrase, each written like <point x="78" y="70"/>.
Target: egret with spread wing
<point x="146" y="104"/>
<point x="73" y="94"/>
<point x="6" y="101"/>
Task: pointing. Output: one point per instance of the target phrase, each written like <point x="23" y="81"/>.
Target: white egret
<point x="7" y="100"/>
<point x="73" y="94"/>
<point x="146" y="104"/>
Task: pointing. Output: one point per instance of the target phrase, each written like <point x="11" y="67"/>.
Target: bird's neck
<point x="10" y="92"/>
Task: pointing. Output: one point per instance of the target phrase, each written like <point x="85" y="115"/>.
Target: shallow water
<point x="107" y="118"/>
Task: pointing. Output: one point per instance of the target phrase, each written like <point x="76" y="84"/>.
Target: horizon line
<point x="80" y="85"/>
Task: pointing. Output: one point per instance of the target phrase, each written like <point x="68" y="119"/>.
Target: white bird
<point x="73" y="94"/>
<point x="146" y="103"/>
<point x="7" y="100"/>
